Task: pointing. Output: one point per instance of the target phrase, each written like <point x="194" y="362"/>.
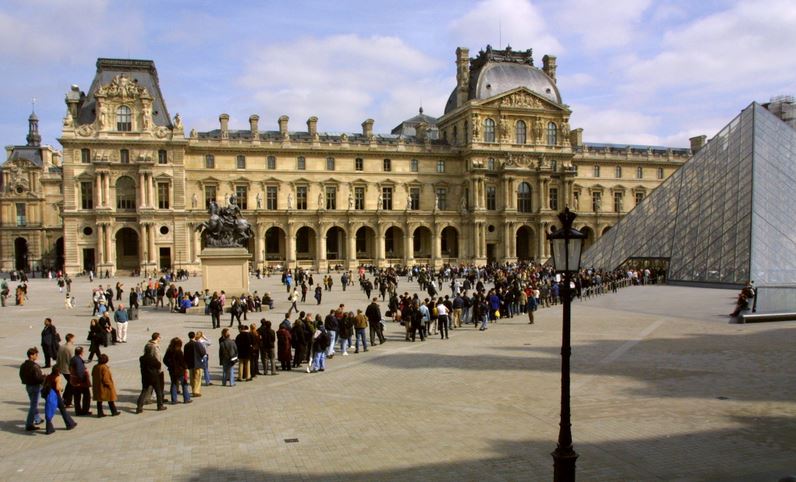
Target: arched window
<point x="521" y="132"/>
<point x="489" y="130"/>
<point x="125" y="193"/>
<point x="124" y="119"/>
<point x="524" y="198"/>
<point x="552" y="134"/>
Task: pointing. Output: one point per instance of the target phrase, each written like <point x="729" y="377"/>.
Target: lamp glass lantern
<point x="566" y="244"/>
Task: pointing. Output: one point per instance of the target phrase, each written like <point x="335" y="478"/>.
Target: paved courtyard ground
<point x="663" y="389"/>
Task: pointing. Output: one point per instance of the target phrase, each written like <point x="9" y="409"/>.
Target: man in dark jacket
<point x="373" y="312"/>
<point x="31" y="376"/>
<point x="244" y="344"/>
<point x="331" y="324"/>
<point x="151" y="376"/>
<point x="194" y="352"/>
<point x="81" y="383"/>
<point x="267" y="342"/>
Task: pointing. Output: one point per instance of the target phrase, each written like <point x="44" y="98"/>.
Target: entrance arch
<point x="607" y="228"/>
<point x="21" y="254"/>
<point x="421" y="242"/>
<point x="450" y="242"/>
<point x="589" y="232"/>
<point x="366" y="243"/>
<point x="275" y="244"/>
<point x="394" y="242"/>
<point x="335" y="244"/>
<point x="525" y="243"/>
<point x="305" y="243"/>
<point x="59" y="254"/>
<point x="127" y="249"/>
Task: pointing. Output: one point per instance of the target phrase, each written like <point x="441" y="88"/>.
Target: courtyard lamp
<point x="566" y="245"/>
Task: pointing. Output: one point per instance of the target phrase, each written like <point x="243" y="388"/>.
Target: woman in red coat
<point x="283" y="339"/>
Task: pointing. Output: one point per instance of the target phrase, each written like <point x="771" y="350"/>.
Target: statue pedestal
<point x="225" y="269"/>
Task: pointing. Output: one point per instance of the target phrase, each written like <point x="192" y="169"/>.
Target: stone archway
<point x="335" y="244"/>
<point x="305" y="243"/>
<point x="605" y="230"/>
<point x="450" y="242"/>
<point x="21" y="254"/>
<point x="421" y="242"/>
<point x="127" y="249"/>
<point x="394" y="242"/>
<point x="590" y="238"/>
<point x="275" y="245"/>
<point x="59" y="254"/>
<point x="525" y="243"/>
<point x="366" y="243"/>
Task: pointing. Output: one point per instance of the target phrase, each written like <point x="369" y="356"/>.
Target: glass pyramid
<point x="724" y="216"/>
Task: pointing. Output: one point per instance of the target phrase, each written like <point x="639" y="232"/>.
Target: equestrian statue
<point x="225" y="228"/>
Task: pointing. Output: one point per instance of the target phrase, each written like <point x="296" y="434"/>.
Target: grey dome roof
<point x="496" y="78"/>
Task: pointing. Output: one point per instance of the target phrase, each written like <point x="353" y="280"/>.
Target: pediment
<point x="523" y="98"/>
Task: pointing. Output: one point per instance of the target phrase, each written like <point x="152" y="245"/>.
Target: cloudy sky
<point x="633" y="71"/>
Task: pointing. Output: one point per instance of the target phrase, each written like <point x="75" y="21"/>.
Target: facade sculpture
<point x="225" y="227"/>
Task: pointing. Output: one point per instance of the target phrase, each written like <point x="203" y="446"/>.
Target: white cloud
<point x="615" y="125"/>
<point x="514" y="22"/>
<point x="343" y="80"/>
<point x="601" y="24"/>
<point x="741" y="48"/>
<point x="574" y="81"/>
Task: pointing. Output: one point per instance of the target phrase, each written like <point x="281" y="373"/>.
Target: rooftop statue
<point x="225" y="228"/>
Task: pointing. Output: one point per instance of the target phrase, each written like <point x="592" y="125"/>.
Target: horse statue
<point x="225" y="228"/>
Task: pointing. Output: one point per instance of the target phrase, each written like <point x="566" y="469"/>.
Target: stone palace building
<point x="483" y="182"/>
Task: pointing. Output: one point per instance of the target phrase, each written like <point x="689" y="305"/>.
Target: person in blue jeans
<point x="32" y="377"/>
<point x="228" y="356"/>
<point x="360" y="323"/>
<point x="174" y="359"/>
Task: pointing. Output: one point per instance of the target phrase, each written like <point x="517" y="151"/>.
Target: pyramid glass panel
<point x="723" y="217"/>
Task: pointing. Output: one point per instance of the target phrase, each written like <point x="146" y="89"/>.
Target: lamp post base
<point x="564" y="464"/>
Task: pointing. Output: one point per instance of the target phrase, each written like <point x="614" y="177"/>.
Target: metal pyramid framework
<point x="725" y="217"/>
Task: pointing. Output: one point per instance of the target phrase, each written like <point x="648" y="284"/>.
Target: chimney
<point x="367" y="128"/>
<point x="462" y="75"/>
<point x="576" y="137"/>
<point x="312" y="126"/>
<point x="549" y="66"/>
<point x="73" y="98"/>
<point x="697" y="143"/>
<point x="422" y="131"/>
<point x="283" y="126"/>
<point x="223" y="119"/>
<point x="254" y="121"/>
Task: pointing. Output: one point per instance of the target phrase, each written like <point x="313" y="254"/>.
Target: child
<point x="68" y="302"/>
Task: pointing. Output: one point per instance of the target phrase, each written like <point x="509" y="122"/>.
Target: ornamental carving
<point x="518" y="160"/>
<point x="85" y="130"/>
<point x="161" y="132"/>
<point x="122" y="87"/>
<point x="521" y="99"/>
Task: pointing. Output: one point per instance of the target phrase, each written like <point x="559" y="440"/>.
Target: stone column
<point x="436" y="244"/>
<point x="512" y="196"/>
<point x="151" y="186"/>
<point x="100" y="245"/>
<point x="107" y="190"/>
<point x="141" y="191"/>
<point x="506" y="240"/>
<point x="409" y="255"/>
<point x="98" y="187"/>
<point x="153" y="256"/>
<point x="322" y="263"/>
<point x="109" y="246"/>
<point x="141" y="244"/>
<point x="259" y="237"/>
<point x="542" y="240"/>
<point x="197" y="245"/>
<point x="545" y="196"/>
<point x="351" y="252"/>
<point x="291" y="244"/>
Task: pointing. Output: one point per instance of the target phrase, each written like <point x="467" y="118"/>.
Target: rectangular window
<point x="618" y="205"/>
<point x="124" y="156"/>
<point x="87" y="195"/>
<point x="210" y="195"/>
<point x="596" y="172"/>
<point x="301" y="197"/>
<point x="240" y="162"/>
<point x="639" y="198"/>
<point x="386" y="198"/>
<point x="619" y="172"/>
<point x="414" y="198"/>
<point x="359" y="164"/>
<point x="639" y="173"/>
<point x="331" y="197"/>
<point x="554" y="198"/>
<point x="490" y="164"/>
<point x="270" y="198"/>
<point x="491" y="198"/>
<point x="359" y="198"/>
<point x="162" y="157"/>
<point x="554" y="165"/>
<point x="414" y="165"/>
<point x="85" y="156"/>
<point x="163" y="195"/>
<point x="301" y="164"/>
<point x="660" y="173"/>
<point x="330" y="163"/>
<point x="442" y="198"/>
<point x="387" y="165"/>
<point x="210" y="161"/>
<point x="270" y="162"/>
<point x="440" y="166"/>
<point x="596" y="201"/>
<point x="21" y="218"/>
<point x="242" y="193"/>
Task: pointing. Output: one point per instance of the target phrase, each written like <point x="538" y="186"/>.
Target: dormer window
<point x="124" y="119"/>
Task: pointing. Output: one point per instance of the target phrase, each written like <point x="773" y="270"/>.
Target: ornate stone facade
<point x="481" y="183"/>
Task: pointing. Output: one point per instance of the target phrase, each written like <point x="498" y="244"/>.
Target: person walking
<point x="442" y="319"/>
<point x="32" y="377"/>
<point x="81" y="383"/>
<point x="104" y="387"/>
<point x="65" y="354"/>
<point x="151" y="374"/>
<point x="95" y="337"/>
<point x="178" y="370"/>
<point x="51" y="392"/>
<point x="373" y="312"/>
<point x="50" y="340"/>
<point x="215" y="309"/>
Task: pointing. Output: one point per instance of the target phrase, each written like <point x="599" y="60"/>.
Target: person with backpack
<point x="320" y="342"/>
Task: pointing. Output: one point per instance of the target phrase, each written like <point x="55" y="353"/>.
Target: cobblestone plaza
<point x="663" y="389"/>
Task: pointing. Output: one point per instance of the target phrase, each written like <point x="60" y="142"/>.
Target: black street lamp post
<point x="566" y="245"/>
